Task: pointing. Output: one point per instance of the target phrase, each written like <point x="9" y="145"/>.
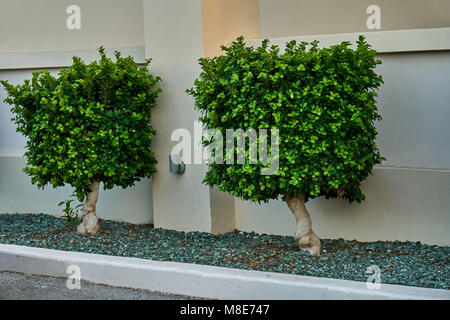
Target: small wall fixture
<point x="175" y="164"/>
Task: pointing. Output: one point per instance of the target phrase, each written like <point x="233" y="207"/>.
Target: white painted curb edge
<point x="198" y="280"/>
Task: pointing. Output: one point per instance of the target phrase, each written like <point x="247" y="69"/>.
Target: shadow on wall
<point x="401" y="204"/>
<point x="18" y="195"/>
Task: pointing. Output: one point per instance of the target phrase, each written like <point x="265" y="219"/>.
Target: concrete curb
<point x="198" y="280"/>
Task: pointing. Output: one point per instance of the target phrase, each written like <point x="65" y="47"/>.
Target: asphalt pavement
<point x="18" y="286"/>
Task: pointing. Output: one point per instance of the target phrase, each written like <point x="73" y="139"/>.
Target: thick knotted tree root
<point x="306" y="238"/>
<point x="89" y="224"/>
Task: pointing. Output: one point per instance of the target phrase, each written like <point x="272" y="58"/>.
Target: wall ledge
<point x="377" y="167"/>
<point x="430" y="39"/>
<point x="60" y="59"/>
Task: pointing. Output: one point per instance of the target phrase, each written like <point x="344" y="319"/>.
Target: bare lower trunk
<point x="306" y="238"/>
<point x="90" y="225"/>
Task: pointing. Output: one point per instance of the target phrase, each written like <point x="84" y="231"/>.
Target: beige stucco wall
<point x="30" y="25"/>
<point x="173" y="39"/>
<point x="401" y="204"/>
<point x="33" y="34"/>
<point x="282" y="18"/>
<point x="222" y="22"/>
<point x="18" y="195"/>
<point x="189" y="31"/>
<point x="225" y="20"/>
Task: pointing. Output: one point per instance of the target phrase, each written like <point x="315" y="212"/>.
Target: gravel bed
<point x="404" y="263"/>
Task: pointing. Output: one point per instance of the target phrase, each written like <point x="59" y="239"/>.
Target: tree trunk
<point x="306" y="238"/>
<point x="89" y="225"/>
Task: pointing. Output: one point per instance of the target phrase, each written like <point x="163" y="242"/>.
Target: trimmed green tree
<point x="86" y="126"/>
<point x="323" y="103"/>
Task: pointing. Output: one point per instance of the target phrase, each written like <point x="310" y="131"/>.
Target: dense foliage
<point x="89" y="123"/>
<point x="322" y="101"/>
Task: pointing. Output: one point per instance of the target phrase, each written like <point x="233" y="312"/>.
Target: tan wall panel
<point x="173" y="39"/>
<point x="30" y="25"/>
<point x="401" y="204"/>
<point x="282" y="18"/>
<point x="225" y="20"/>
<point x="18" y="195"/>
